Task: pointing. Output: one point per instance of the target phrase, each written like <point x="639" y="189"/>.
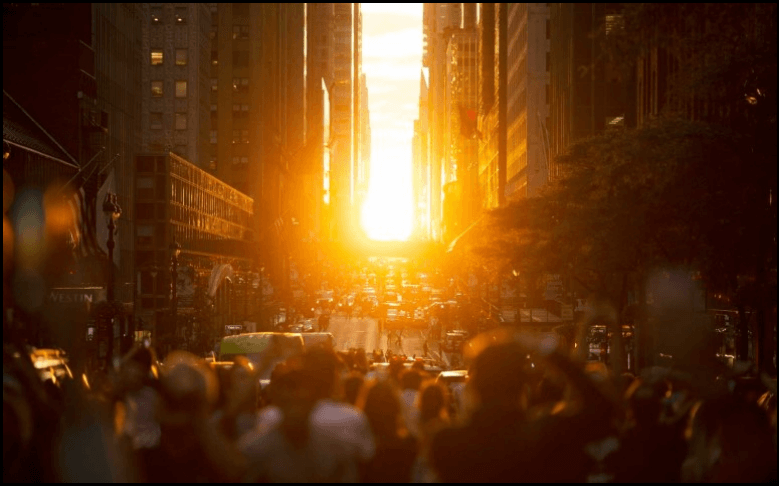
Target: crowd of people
<point x="524" y="415"/>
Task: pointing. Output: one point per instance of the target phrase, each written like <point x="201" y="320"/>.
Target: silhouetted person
<point x="396" y="449"/>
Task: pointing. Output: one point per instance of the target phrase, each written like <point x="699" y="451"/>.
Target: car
<point x="51" y="364"/>
<point x="449" y="378"/>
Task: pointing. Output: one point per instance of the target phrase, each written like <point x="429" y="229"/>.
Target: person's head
<point x="396" y="368"/>
<point x="729" y="440"/>
<point x="322" y="366"/>
<point x="410" y="380"/>
<point x="433" y="402"/>
<point x="352" y="386"/>
<point x="381" y="404"/>
<point x="644" y="400"/>
<point x="497" y="375"/>
<point x="188" y="390"/>
<point x="295" y="394"/>
<point x="418" y="365"/>
<point x="243" y="382"/>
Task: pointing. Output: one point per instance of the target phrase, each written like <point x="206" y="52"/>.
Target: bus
<point x="263" y="349"/>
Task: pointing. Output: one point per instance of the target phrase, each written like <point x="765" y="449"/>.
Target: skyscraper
<point x="528" y="97"/>
<point x="175" y="68"/>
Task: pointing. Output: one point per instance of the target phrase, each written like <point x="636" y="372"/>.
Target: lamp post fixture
<point x="175" y="251"/>
<point x="113" y="212"/>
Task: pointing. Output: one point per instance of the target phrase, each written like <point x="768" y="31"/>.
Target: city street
<point x="356" y="332"/>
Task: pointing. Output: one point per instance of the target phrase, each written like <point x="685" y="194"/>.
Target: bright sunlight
<point x="387" y="213"/>
<point x="392" y="60"/>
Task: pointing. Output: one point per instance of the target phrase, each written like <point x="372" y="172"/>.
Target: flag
<point x="83" y="237"/>
<point x="108" y="186"/>
<point x="467" y="122"/>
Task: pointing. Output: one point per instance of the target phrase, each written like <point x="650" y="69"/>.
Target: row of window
<point x="155" y="121"/>
<point x="239" y="84"/>
<point x="158" y="56"/>
<point x="240" y="32"/>
<point x="239" y="136"/>
<point x="157" y="89"/>
<point x="180" y="16"/>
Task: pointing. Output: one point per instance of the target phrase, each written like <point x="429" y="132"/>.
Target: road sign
<point x="566" y="312"/>
<point x="554" y="287"/>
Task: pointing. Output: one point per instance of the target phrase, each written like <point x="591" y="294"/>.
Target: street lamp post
<point x="112" y="211"/>
<point x="175" y="251"/>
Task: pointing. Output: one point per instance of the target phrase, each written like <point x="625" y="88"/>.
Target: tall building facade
<point x="528" y="97"/>
<point x="341" y="169"/>
<point x="438" y="21"/>
<point x="460" y="140"/>
<point x="176" y="67"/>
<point x="257" y="107"/>
<point x="319" y="83"/>
<point x="492" y="103"/>
<point x="421" y="165"/>
<point x="83" y="90"/>
<point x="364" y="163"/>
<point x="587" y="95"/>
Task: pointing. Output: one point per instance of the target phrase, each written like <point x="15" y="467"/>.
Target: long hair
<point x="433" y="401"/>
<point x="381" y="405"/>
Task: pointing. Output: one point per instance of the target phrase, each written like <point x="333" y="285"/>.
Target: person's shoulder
<point x="330" y="410"/>
<point x="258" y="442"/>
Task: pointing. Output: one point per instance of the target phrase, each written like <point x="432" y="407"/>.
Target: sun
<point x="387" y="211"/>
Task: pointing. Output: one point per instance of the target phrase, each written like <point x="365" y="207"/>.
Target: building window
<point x="213" y="136"/>
<point x="155" y="121"/>
<point x="156" y="57"/>
<point x="156" y="16"/>
<point x="181" y="15"/>
<point x="240" y="161"/>
<point x="213" y="84"/>
<point x="212" y="33"/>
<point x="245" y="108"/>
<point x="244" y="136"/>
<point x="548" y="60"/>
<point x="212" y="164"/>
<point x="181" y="89"/>
<point x="181" y="121"/>
<point x="213" y="107"/>
<point x="214" y="58"/>
<point x="236" y="136"/>
<point x="181" y="57"/>
<point x="240" y="31"/>
<point x="156" y="88"/>
<point x="240" y="84"/>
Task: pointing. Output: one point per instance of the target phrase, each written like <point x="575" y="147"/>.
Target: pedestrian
<point x="396" y="449"/>
<point x="424" y="348"/>
<point x="311" y="436"/>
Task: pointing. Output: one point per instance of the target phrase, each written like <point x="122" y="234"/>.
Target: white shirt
<point x="339" y="439"/>
<point x="408" y="400"/>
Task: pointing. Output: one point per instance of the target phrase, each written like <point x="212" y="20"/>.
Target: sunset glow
<point x="392" y="60"/>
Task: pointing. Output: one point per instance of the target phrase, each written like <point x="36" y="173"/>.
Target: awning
<point x="462" y="235"/>
<point x="218" y="274"/>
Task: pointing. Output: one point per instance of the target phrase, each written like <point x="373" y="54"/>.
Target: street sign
<point x="566" y="312"/>
<point x="554" y="287"/>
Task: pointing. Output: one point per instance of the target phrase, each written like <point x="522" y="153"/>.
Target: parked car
<point x="51" y="364"/>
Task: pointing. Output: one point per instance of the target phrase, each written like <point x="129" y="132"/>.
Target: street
<point x="356" y="332"/>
